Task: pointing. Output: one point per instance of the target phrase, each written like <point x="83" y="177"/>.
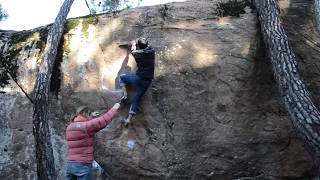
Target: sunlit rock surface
<point x="212" y="111"/>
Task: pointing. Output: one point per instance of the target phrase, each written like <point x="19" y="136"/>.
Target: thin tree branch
<point x="10" y="76"/>
<point x="24" y="92"/>
<point x="88" y="6"/>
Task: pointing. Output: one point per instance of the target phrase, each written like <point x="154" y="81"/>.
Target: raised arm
<point x="96" y="124"/>
<point x="137" y="53"/>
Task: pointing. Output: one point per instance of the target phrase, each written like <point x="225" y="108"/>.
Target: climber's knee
<point x="121" y="80"/>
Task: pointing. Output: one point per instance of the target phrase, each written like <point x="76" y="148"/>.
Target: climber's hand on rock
<point x="95" y="114"/>
<point x="133" y="45"/>
<point x="116" y="105"/>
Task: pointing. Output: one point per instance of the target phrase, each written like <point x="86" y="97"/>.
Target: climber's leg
<point x="136" y="98"/>
<point x="140" y="85"/>
<point x="126" y="79"/>
<point x="122" y="83"/>
<point x="141" y="88"/>
<point x="80" y="171"/>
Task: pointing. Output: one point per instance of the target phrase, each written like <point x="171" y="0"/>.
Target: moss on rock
<point x="71" y="24"/>
<point x="66" y="44"/>
<point x="8" y="65"/>
<point x="93" y="20"/>
<point x="19" y="42"/>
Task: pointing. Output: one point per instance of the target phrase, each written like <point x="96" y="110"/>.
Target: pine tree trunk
<point x="317" y="13"/>
<point x="41" y="130"/>
<point x="303" y="112"/>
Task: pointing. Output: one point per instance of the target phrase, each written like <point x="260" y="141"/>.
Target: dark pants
<point x="78" y="171"/>
<point x="139" y="84"/>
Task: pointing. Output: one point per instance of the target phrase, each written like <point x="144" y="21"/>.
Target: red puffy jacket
<point x="80" y="137"/>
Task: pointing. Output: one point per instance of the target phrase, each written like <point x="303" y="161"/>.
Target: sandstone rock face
<point x="19" y="53"/>
<point x="212" y="111"/>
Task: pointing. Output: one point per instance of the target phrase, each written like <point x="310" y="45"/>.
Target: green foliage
<point x="110" y="5"/>
<point x="3" y="14"/>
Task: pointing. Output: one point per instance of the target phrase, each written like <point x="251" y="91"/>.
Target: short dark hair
<point x="142" y="43"/>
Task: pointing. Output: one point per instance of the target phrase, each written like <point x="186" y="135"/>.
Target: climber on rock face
<point x="80" y="139"/>
<point x="144" y="56"/>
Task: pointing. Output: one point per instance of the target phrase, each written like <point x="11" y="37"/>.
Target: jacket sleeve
<point x="137" y="53"/>
<point x="96" y="124"/>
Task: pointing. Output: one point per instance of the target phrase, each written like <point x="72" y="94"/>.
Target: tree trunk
<point x="317" y="13"/>
<point x="41" y="131"/>
<point x="303" y="112"/>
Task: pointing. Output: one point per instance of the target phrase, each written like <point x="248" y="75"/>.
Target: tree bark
<point x="41" y="131"/>
<point x="299" y="103"/>
<point x="317" y="13"/>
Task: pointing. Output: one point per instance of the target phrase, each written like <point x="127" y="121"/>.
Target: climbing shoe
<point x="125" y="122"/>
<point x="124" y="99"/>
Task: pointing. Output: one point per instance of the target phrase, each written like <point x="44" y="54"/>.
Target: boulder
<point x="212" y="111"/>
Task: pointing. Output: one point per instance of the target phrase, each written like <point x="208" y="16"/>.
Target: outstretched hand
<point x="123" y="99"/>
<point x="133" y="45"/>
<point x="95" y="114"/>
<point x="116" y="105"/>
